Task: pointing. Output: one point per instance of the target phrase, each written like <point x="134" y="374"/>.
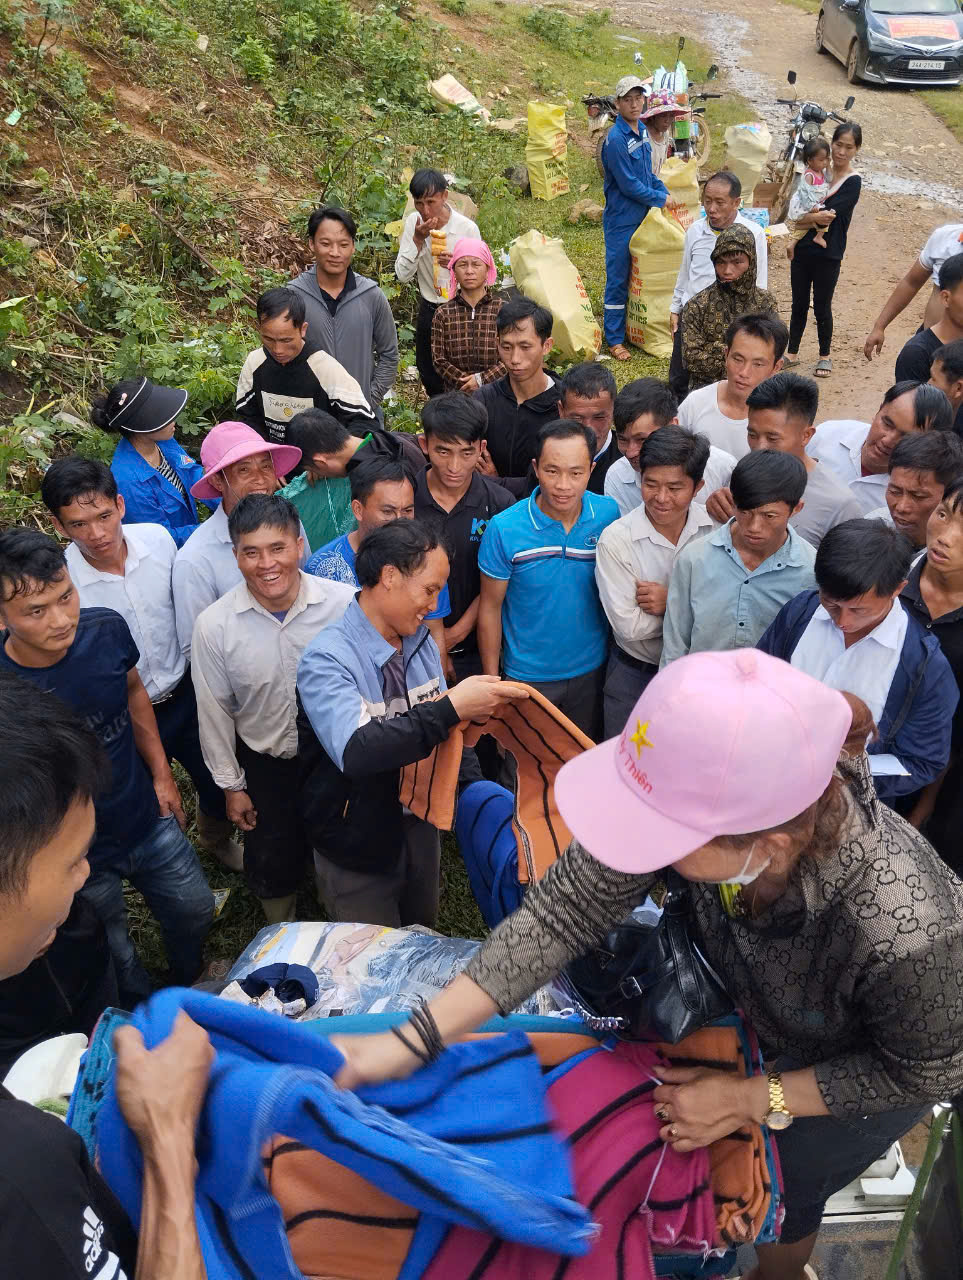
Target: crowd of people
<point x="639" y="556"/>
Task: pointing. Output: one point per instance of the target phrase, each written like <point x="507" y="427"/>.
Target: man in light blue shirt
<point x="538" y="592"/>
<point x="382" y="490"/>
<point x="726" y="589"/>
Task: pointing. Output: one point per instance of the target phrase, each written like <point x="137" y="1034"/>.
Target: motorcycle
<point x="806" y="123"/>
<point x="690" y="133"/>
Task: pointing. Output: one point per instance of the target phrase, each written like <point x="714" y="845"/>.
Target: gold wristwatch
<point x="778" y="1116"/>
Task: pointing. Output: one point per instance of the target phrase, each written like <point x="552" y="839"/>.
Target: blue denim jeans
<point x="177" y="725"/>
<point x="164" y="867"/>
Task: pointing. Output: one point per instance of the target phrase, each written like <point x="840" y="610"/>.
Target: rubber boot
<point x="279" y="910"/>
<point x="215" y="836"/>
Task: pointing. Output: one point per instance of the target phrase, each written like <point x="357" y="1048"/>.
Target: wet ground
<point x="911" y="165"/>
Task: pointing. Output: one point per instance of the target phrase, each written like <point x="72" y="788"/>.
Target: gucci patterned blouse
<point x="857" y="970"/>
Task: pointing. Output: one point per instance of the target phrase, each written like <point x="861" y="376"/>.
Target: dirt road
<point x="912" y="169"/>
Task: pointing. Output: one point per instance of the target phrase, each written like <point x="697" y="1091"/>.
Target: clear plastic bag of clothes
<point x="367" y="968"/>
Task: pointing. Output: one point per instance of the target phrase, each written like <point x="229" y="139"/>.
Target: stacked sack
<point x="546" y="153"/>
<point x="747" y="153"/>
<point x="543" y="272"/>
<point x="656" y="250"/>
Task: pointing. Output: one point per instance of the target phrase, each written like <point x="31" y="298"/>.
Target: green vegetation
<point x="160" y="162"/>
<point x="946" y="105"/>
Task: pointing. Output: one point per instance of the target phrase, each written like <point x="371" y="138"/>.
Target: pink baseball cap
<point x="229" y="442"/>
<point x="718" y="744"/>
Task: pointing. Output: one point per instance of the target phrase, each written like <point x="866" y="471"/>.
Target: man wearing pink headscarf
<point x="463" y="347"/>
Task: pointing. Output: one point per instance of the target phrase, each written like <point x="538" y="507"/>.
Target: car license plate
<point x="919" y="64"/>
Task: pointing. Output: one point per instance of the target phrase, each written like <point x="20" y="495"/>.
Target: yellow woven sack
<point x="543" y="272"/>
<point x="682" y="179"/>
<point x="656" y="250"/>
<point x="747" y="150"/>
<point x="547" y="135"/>
<point x="548" y="178"/>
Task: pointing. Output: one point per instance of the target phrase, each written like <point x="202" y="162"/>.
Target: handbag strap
<point x="687" y="955"/>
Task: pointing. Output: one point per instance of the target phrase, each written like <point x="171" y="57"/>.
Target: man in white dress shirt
<point x="854" y="635"/>
<point x="432" y="217"/>
<point x="246" y="649"/>
<point x="128" y="568"/>
<point x="782" y="411"/>
<point x="634" y="559"/>
<point x="920" y="468"/>
<point x="237" y="461"/>
<point x="858" y="452"/>
<point x="642" y="407"/>
<point x="754" y="349"/>
<point x="721" y="196"/>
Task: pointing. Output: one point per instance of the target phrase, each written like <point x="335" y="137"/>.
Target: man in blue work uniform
<point x="631" y="190"/>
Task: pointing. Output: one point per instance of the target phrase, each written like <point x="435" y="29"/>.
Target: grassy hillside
<point x="157" y="164"/>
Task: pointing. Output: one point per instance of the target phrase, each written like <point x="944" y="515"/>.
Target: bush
<point x="254" y="59"/>
<point x="557" y="28"/>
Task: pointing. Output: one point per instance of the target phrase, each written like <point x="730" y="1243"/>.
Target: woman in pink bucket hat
<point x="834" y="925"/>
<point x="661" y="110"/>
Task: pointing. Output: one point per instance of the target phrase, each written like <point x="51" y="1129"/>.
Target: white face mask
<point x="746" y="877"/>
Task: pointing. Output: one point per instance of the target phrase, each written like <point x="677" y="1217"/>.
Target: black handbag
<point x="650" y="983"/>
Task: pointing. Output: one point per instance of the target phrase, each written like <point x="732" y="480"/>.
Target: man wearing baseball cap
<point x="819" y="907"/>
<point x="631" y="190"/>
<point x="236" y="461"/>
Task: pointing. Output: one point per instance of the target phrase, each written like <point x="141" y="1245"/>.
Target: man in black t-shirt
<point x="58" y="1218"/>
<point x="459" y="502"/>
<point x="88" y="658"/>
<point x="915" y="360"/>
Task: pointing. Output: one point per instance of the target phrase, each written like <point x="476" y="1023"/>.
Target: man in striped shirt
<point x="539" y="614"/>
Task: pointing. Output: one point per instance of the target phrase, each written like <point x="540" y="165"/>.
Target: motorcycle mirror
<point x="681" y="44"/>
<point x="849" y="104"/>
<point x="638" y="58"/>
<point x="791" y="77"/>
<point x="712" y="72"/>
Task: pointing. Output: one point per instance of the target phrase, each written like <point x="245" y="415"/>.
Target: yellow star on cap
<point x="640" y="737"/>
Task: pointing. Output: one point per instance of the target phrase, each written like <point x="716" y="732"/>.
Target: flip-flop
<point x="620" y="352"/>
<point x="824" y="368"/>
<point x="790" y="362"/>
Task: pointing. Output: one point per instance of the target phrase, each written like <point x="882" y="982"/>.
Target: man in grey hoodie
<point x="348" y="315"/>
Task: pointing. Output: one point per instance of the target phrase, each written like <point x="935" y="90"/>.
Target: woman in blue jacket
<point x="153" y="472"/>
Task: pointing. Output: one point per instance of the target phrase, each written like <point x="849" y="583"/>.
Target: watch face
<point x="778" y="1120"/>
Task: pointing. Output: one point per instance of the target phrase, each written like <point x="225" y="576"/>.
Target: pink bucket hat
<point x="718" y="744"/>
<point x="470" y="248"/>
<point x="230" y="442"/>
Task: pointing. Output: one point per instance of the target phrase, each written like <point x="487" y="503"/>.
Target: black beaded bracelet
<point x="412" y="1048"/>
<point x="424" y="1023"/>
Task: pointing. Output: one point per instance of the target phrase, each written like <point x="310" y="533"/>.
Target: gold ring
<point x="663" y="1114"/>
<point x="673" y="1131"/>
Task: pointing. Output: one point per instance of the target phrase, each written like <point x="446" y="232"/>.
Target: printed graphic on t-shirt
<point x="98" y="1263"/>
<point x="283" y="408"/>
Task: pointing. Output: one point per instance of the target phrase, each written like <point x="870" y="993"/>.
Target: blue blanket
<point x="450" y="1141"/>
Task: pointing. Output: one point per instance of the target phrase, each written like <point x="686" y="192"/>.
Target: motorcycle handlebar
<point x="787" y="102"/>
<point x="839" y="119"/>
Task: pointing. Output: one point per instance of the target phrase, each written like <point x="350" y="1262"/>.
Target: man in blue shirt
<point x="539" y="611"/>
<point x="381" y="491"/>
<point x="726" y="589"/>
<point x="631" y="190"/>
<point x="88" y="659"/>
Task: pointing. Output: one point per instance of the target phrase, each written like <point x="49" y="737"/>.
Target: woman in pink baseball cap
<point x="463" y="335"/>
<point x="835" y="926"/>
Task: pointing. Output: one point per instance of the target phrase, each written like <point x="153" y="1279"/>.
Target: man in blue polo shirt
<point x="539" y="611"/>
